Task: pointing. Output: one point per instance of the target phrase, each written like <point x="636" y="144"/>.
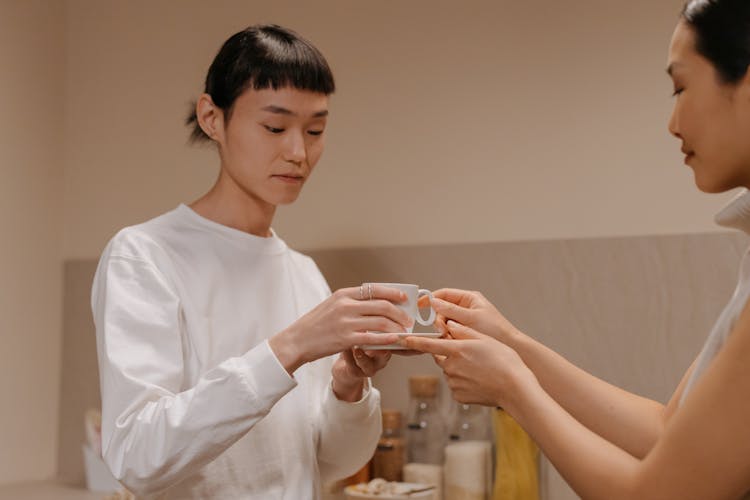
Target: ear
<point x="210" y="118"/>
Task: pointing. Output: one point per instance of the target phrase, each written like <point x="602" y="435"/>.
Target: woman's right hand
<point x="478" y="368"/>
<point x="471" y="309"/>
<point x="348" y="318"/>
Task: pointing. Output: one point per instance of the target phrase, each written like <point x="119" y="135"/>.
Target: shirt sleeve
<point x="348" y="432"/>
<point x="156" y="431"/>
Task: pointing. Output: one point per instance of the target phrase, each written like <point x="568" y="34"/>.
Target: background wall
<point x="31" y="165"/>
<point x="454" y="121"/>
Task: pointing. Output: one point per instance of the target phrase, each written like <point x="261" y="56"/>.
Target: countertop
<point x="46" y="490"/>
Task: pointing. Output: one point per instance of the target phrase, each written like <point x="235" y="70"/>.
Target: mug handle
<point x="425" y="322"/>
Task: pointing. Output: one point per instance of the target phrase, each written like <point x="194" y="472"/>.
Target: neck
<point x="226" y="203"/>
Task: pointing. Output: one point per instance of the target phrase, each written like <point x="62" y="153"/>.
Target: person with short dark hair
<point x="608" y="443"/>
<point x="228" y="369"/>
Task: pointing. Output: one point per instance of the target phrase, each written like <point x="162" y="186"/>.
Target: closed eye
<point x="274" y="130"/>
<point x="677" y="92"/>
<point x="315" y="132"/>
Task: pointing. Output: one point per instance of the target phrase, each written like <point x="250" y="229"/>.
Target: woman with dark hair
<point x="608" y="443"/>
<point x="216" y="341"/>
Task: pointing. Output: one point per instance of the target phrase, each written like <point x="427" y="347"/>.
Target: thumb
<point x="461" y="332"/>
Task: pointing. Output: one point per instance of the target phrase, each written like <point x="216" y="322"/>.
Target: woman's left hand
<point x="478" y="368"/>
<point x="352" y="367"/>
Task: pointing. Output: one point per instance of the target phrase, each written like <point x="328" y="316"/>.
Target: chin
<point x="286" y="200"/>
<point x="715" y="186"/>
<point x="708" y="188"/>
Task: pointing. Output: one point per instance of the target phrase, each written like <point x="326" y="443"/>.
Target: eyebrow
<point x="283" y="111"/>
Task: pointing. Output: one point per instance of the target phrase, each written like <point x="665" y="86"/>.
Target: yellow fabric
<point x="516" y="466"/>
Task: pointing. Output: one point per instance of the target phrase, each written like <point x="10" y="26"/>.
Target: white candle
<point x="468" y="470"/>
<point x="426" y="474"/>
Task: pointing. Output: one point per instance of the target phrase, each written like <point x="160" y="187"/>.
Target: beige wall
<point x="31" y="162"/>
<point x="507" y="120"/>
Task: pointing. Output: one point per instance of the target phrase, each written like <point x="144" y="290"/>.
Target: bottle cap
<point x="423" y="386"/>
<point x="391" y="419"/>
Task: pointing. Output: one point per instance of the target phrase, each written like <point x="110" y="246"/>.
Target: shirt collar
<point x="736" y="213"/>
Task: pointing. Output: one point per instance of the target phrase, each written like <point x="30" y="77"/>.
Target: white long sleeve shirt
<point x="194" y="402"/>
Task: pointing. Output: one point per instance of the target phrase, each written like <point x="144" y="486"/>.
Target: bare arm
<point x="629" y="421"/>
<point x="703" y="452"/>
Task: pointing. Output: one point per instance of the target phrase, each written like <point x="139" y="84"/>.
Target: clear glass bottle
<point x="470" y="423"/>
<point x="426" y="431"/>
<point x="468" y="455"/>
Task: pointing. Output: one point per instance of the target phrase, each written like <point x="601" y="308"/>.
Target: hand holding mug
<point x="473" y="310"/>
<point x="414" y="295"/>
<point x="478" y="368"/>
<point x="348" y="318"/>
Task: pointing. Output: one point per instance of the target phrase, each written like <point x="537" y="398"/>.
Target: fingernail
<point x="452" y="324"/>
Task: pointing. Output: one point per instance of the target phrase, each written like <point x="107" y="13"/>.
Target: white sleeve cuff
<point x="366" y="391"/>
<point x="265" y="373"/>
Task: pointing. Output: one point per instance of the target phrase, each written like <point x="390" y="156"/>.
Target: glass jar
<point x="426" y="433"/>
<point x="470" y="423"/>
<point x="388" y="461"/>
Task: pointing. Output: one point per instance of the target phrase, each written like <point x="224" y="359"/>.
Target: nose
<point x="674" y="122"/>
<point x="295" y="150"/>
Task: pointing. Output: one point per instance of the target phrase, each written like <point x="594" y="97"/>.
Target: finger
<point x="423" y="301"/>
<point x="387" y="310"/>
<point x="452" y="311"/>
<point x="406" y="352"/>
<point x="432" y="346"/>
<point x="453" y="295"/>
<point x="376" y="324"/>
<point x="355" y="292"/>
<point x="373" y="291"/>
<point x="439" y="360"/>
<point x="365" y="363"/>
<point x="380" y="359"/>
<point x="440" y="324"/>
<point x="348" y="357"/>
<point x="462" y="332"/>
<point x="377" y="355"/>
<point x="373" y="338"/>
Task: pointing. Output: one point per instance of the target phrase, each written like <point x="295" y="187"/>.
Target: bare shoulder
<point x="709" y="430"/>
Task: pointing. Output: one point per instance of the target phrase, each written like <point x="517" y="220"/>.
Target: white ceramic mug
<point x="411" y="306"/>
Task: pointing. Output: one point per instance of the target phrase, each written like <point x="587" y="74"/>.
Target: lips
<point x="688" y="153"/>
<point x="289" y="177"/>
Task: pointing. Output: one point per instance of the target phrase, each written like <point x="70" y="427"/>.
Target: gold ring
<point x="362" y="291"/>
<point x="369" y="290"/>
